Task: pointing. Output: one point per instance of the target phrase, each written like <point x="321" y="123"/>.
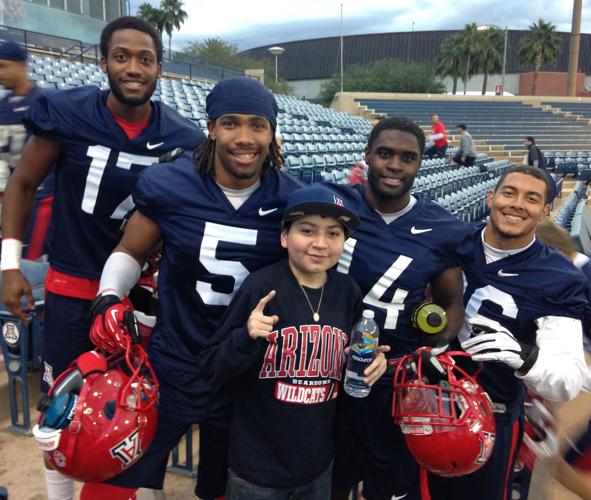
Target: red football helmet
<point x="448" y="426"/>
<point x="100" y="415"/>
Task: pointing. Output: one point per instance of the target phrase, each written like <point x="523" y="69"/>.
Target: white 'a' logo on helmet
<point x="128" y="450"/>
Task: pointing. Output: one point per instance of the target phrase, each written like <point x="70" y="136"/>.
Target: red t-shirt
<point x="131" y="129"/>
<point x="439" y="128"/>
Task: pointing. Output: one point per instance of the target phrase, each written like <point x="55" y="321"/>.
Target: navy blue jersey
<point x="209" y="249"/>
<point x="516" y="291"/>
<point x="393" y="263"/>
<point x="13" y="133"/>
<point x="97" y="170"/>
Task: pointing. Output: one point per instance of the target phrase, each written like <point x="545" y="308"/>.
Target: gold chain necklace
<point x="315" y="313"/>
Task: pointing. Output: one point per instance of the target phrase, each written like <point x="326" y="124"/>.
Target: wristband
<point x="12" y="250"/>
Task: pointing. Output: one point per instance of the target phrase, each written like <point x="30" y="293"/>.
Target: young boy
<point x="282" y="343"/>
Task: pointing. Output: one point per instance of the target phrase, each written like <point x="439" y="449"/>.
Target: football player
<point x="219" y="215"/>
<point x="524" y="305"/>
<point x="22" y="94"/>
<point x="99" y="142"/>
<point x="402" y="245"/>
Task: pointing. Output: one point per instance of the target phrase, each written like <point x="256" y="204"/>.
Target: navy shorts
<point x="370" y="448"/>
<point x="579" y="454"/>
<point x="494" y="480"/>
<point x="66" y="327"/>
<point x="149" y="471"/>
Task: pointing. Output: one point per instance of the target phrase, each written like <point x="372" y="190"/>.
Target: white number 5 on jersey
<point x="212" y="235"/>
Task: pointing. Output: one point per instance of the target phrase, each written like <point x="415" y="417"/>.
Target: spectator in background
<point x="358" y="173"/>
<point x="466" y="155"/>
<point x="22" y="94"/>
<point x="437" y="145"/>
<point x="535" y="157"/>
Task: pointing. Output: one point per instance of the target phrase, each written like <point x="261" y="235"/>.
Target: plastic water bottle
<point x="364" y="342"/>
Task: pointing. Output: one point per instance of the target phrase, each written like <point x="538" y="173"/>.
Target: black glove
<point x="431" y="368"/>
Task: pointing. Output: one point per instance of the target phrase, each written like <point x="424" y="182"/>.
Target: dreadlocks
<point x="204" y="157"/>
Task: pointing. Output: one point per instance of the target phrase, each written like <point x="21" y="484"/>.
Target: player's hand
<point x="14" y="287"/>
<point x="377" y="367"/>
<point x="431" y="367"/>
<point x="259" y="325"/>
<point x="112" y="324"/>
<point x="490" y="341"/>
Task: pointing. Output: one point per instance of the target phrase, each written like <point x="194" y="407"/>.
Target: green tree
<point x="153" y="16"/>
<point x="539" y="47"/>
<point x="219" y="51"/>
<point x="215" y="50"/>
<point x="470" y="41"/>
<point x="174" y="16"/>
<point x="489" y="58"/>
<point x="387" y="75"/>
<point x="449" y="61"/>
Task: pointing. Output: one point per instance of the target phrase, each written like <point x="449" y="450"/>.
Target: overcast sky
<point x="261" y="22"/>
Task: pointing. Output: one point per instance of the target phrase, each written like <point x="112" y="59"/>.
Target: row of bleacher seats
<point x="566" y="212"/>
<point x="576" y="108"/>
<point x="310" y="168"/>
<point x="299" y="149"/>
<point x="468" y="203"/>
<point x="503" y="123"/>
<point x="570" y="162"/>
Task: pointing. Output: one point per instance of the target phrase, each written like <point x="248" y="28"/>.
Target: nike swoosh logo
<point x="266" y="212"/>
<point x="153" y="146"/>
<point x="21" y="109"/>
<point x="398" y="498"/>
<point x="502" y="274"/>
<point x="414" y="230"/>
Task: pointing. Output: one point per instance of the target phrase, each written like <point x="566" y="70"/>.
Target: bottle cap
<point x="368" y="314"/>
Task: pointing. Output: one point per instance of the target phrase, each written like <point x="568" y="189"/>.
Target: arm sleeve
<point x="436" y="137"/>
<point x="464" y="145"/>
<point x="560" y="370"/>
<point x="231" y="351"/>
<point x="146" y="193"/>
<point x="45" y="117"/>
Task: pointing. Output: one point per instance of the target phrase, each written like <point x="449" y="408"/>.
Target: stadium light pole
<point x="506" y="30"/>
<point x="276" y="51"/>
<point x="341" y="48"/>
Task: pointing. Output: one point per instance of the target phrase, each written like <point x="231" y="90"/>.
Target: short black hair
<point x="538" y="173"/>
<point x="462" y="126"/>
<point x="399" y="123"/>
<point x="530" y="139"/>
<point x="129" y="23"/>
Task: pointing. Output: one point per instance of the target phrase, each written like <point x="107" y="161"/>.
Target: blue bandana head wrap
<point x="242" y="96"/>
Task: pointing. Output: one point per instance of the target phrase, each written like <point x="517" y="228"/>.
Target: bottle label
<point x="367" y="345"/>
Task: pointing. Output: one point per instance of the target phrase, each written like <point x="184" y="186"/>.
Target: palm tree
<point x="489" y="58"/>
<point x="449" y="60"/>
<point x="470" y="42"/>
<point x="174" y="16"/>
<point x="154" y="16"/>
<point x="539" y="47"/>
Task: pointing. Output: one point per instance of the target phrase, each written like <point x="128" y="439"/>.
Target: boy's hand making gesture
<point x="259" y="325"/>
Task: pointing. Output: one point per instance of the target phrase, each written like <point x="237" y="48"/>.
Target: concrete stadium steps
<point x="497" y="127"/>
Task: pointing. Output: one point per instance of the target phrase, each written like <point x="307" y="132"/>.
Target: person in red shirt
<point x="437" y="139"/>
